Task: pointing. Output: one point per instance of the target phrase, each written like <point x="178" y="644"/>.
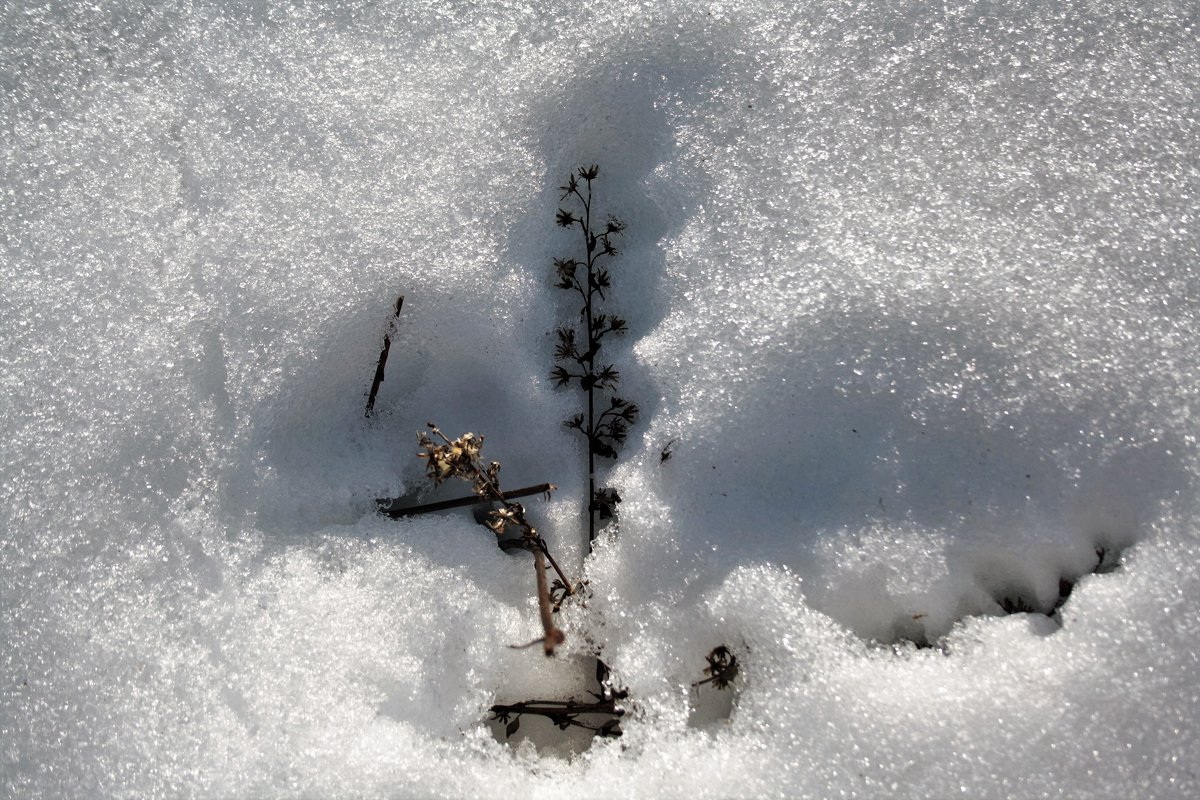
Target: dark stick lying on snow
<point x="388" y="505"/>
<point x="383" y="356"/>
<point x="563" y="713"/>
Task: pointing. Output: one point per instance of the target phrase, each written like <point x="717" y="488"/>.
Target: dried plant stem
<point x="578" y="349"/>
<point x="535" y="539"/>
<point x="541" y="546"/>
<point x="591" y="504"/>
<point x="383" y="356"/>
<point x="589" y="247"/>
<point x="460" y="458"/>
<point x="565" y="713"/>
<point x="553" y="707"/>
<point x="386" y="505"/>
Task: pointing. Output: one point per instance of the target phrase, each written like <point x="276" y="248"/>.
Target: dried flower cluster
<point x="722" y="668"/>
<point x="578" y="348"/>
<point x="461" y="458"/>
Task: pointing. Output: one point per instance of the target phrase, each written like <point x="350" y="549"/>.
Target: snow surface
<point x="913" y="287"/>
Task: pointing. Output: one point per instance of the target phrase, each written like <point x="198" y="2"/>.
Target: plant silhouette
<point x="608" y="416"/>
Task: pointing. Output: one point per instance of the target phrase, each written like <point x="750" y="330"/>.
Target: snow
<point x="913" y="293"/>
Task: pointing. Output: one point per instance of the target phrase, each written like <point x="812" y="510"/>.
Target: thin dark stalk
<point x="541" y="546"/>
<point x="566" y="713"/>
<point x="535" y="538"/>
<point x="383" y="356"/>
<point x="591" y="498"/>
<point x="556" y="706"/>
<point x="386" y="505"/>
<point x="590" y="248"/>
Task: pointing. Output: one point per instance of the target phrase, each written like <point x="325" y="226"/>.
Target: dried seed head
<point x="453" y="459"/>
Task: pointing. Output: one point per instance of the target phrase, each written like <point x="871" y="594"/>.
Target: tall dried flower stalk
<point x="579" y="346"/>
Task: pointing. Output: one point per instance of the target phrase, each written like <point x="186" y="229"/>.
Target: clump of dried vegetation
<point x="604" y="424"/>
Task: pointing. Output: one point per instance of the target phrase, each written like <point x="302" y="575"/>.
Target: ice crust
<point x="913" y="297"/>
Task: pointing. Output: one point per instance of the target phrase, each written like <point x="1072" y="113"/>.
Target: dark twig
<point x="563" y="713"/>
<point x="383" y="356"/>
<point x="387" y="505"/>
<point x="566" y="713"/>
